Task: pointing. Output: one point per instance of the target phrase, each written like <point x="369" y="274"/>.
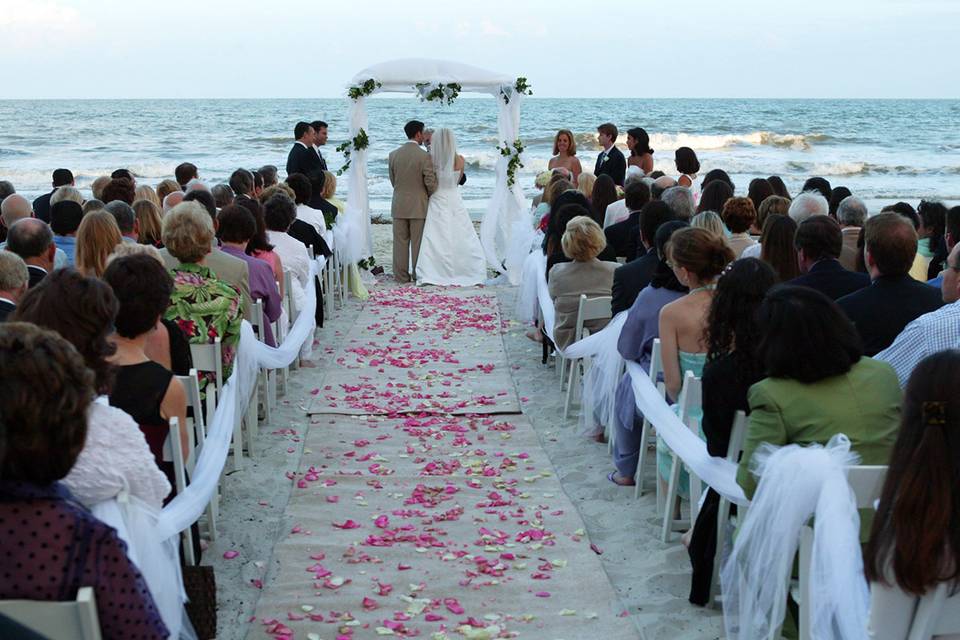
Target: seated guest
<point x="564" y="216"/>
<point x="303" y="193"/>
<point x="777" y="247"/>
<point x="243" y="184"/>
<point x="930" y="332"/>
<point x="98" y="185"/>
<point x="65" y="219"/>
<point x="122" y="189"/>
<point x="269" y="173"/>
<point x="259" y="246"/>
<point x="697" y="257"/>
<point x="166" y="345"/>
<point x="165" y="188"/>
<point x="115" y="457"/>
<point x="14" y="207"/>
<point x="32" y="240"/>
<point x="126" y="219"/>
<point x="172" y="200"/>
<point x="680" y="201"/>
<point x="732" y="367"/>
<point x="203" y="306"/>
<point x="711" y="222"/>
<point x="739" y="215"/>
<point x="558" y="185"/>
<point x="328" y="195"/>
<point x="893" y="299"/>
<point x="837" y="195"/>
<point x="97" y="236"/>
<point x="147" y="391"/>
<point x="631" y="278"/>
<point x="717" y="174"/>
<point x="951" y="236"/>
<point x="818" y="185"/>
<point x="225" y="267"/>
<point x="92" y="205"/>
<point x="660" y="184"/>
<point x="818" y="243"/>
<point x="237" y="226"/>
<point x="146" y="192"/>
<point x="184" y="173"/>
<point x="851" y="214"/>
<point x="779" y="187"/>
<point x="66" y="193"/>
<point x="623" y="237"/>
<point x="807" y="205"/>
<point x="57" y="546"/>
<point x="759" y="190"/>
<point x="933" y="221"/>
<point x="604" y="194"/>
<point x="771" y="205"/>
<point x="149" y="224"/>
<point x="582" y="242"/>
<point x="714" y="196"/>
<point x="554" y="232"/>
<point x="279" y="212"/>
<point x="257" y="184"/>
<point x="585" y="182"/>
<point x="913" y="542"/>
<point x="640" y="329"/>
<point x="818" y="384"/>
<point x="6" y="189"/>
<point x="618" y="211"/>
<point x="14" y="278"/>
<point x="222" y="195"/>
<point x="920" y="264"/>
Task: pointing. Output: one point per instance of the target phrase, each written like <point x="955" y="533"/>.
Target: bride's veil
<point x="443" y="149"/>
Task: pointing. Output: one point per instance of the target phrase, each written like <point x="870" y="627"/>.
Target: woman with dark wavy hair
<point x="116" y="456"/>
<point x="733" y="333"/>
<point x="915" y="542"/>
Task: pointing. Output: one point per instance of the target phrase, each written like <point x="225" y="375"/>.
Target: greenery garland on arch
<point x="363" y="90"/>
<point x="513" y="152"/>
<point x="358" y="143"/>
<point x="521" y="87"/>
<point x="443" y="93"/>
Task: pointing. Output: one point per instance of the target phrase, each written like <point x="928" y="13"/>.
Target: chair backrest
<point x="738" y="432"/>
<point x="255" y="318"/>
<point x="656" y="362"/>
<point x="288" y="297"/>
<point x="208" y="358"/>
<point x="76" y="620"/>
<point x="938" y="614"/>
<point x="691" y="395"/>
<point x="591" y="309"/>
<point x="867" y="483"/>
<point x="195" y="425"/>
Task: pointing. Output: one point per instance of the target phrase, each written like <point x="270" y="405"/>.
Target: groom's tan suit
<point x="413" y="180"/>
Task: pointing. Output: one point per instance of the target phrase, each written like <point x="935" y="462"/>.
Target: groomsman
<point x="303" y="158"/>
<point x="319" y="139"/>
<point x="610" y="161"/>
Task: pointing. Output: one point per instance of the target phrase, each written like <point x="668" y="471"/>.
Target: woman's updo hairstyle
<point x="702" y="252"/>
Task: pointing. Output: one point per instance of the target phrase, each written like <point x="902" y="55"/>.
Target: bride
<point x="450" y="252"/>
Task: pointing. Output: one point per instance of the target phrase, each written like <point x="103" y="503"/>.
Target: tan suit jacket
<point x="593" y="278"/>
<point x="413" y="180"/>
<point x="231" y="270"/>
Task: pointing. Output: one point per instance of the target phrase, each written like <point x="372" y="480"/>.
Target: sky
<point x="607" y="48"/>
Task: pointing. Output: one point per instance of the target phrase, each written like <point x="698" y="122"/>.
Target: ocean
<point x="882" y="150"/>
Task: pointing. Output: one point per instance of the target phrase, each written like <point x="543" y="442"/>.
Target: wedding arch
<point x="438" y="81"/>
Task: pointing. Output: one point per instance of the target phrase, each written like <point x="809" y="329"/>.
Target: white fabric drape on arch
<point x="507" y="204"/>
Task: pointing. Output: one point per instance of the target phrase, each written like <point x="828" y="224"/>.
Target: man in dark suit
<point x="894" y="299"/>
<point x="610" y="161"/>
<point x="319" y="139"/>
<point x="631" y="278"/>
<point x="623" y="236"/>
<point x="303" y="158"/>
<point x="819" y="242"/>
<point x="13" y="282"/>
<point x="41" y="206"/>
<point x="32" y="240"/>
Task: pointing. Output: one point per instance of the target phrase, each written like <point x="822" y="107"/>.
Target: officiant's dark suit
<point x="613" y="164"/>
<point x="303" y="158"/>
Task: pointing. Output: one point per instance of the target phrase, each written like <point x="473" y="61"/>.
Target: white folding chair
<point x="208" y="358"/>
<point x="735" y="447"/>
<point x="866" y="481"/>
<point x="611" y="427"/>
<point x="937" y="614"/>
<point x="292" y="313"/>
<point x="590" y="309"/>
<point x="197" y="433"/>
<point x="688" y="403"/>
<point x="267" y="378"/>
<point x="656" y="370"/>
<point x="75" y="620"/>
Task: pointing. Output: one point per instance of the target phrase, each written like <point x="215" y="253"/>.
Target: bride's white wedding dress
<point x="450" y="251"/>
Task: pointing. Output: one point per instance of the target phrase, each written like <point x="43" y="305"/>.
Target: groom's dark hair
<point x="300" y="130"/>
<point x="412" y="128"/>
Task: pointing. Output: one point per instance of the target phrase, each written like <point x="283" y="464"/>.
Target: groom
<point x="413" y="180"/>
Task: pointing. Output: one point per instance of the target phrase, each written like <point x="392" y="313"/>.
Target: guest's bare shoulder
<point x="459" y="163"/>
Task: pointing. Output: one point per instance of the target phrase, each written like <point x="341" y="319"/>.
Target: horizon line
<point x="402" y="96"/>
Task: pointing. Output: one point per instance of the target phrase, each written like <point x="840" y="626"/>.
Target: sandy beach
<point x="650" y="578"/>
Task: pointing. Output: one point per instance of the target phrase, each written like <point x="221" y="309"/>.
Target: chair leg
<point x="638" y="474"/>
<point x="572" y="381"/>
<point x="670" y="504"/>
<point x="186" y="540"/>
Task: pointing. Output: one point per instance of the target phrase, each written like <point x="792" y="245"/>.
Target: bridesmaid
<point x="565" y="154"/>
<point x="641" y="155"/>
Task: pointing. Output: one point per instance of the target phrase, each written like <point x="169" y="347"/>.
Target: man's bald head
<point x="173" y="199"/>
<point x="30" y="238"/>
<point x="15" y="207"/>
